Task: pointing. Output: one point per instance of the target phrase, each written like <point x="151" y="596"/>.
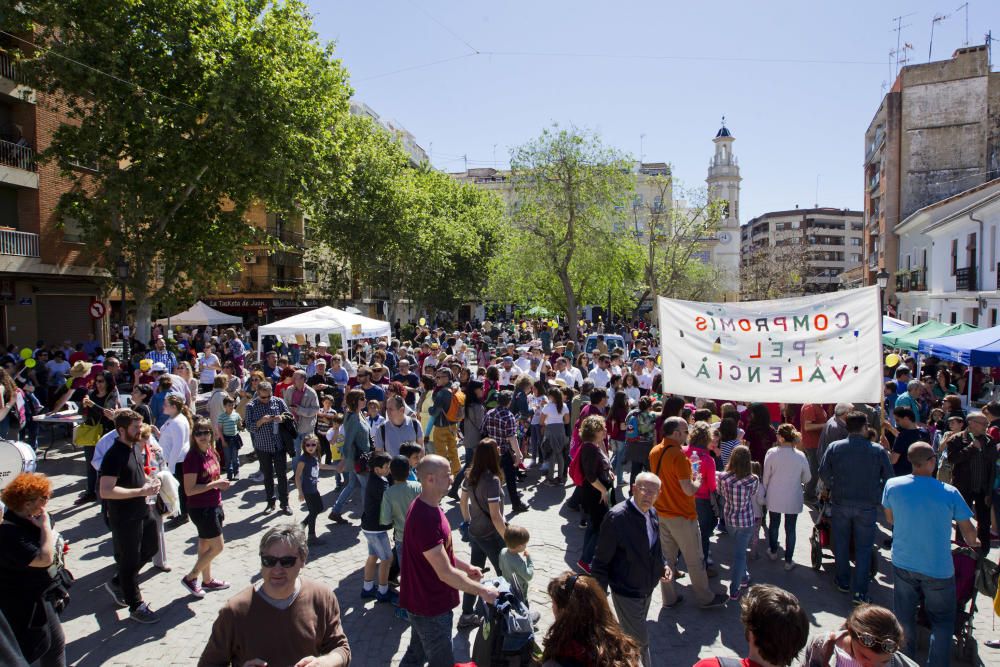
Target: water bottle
<point x="696" y="466"/>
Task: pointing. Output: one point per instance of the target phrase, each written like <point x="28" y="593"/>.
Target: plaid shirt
<point x="739" y="496"/>
<point x="166" y="358"/>
<point x="500" y="424"/>
<point x="264" y="438"/>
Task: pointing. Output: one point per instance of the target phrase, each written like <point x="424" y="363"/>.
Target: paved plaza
<point x="98" y="634"/>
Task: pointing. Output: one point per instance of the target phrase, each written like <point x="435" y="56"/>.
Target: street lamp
<point x="882" y="280"/>
<point x="121" y="269"/>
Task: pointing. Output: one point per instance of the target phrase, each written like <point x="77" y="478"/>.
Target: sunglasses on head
<point x="873" y="642"/>
<point x="283" y="561"/>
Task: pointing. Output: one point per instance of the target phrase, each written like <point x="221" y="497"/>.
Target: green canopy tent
<point x="537" y="311"/>
<point x="908" y="339"/>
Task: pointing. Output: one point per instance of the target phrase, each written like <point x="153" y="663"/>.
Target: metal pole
<point x="126" y="357"/>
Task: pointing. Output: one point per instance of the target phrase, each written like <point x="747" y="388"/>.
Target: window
<point x="8" y="207"/>
<point x="993" y="314"/>
<point x="954" y="318"/>
<point x="954" y="257"/>
<point x="993" y="245"/>
<point x="855" y="241"/>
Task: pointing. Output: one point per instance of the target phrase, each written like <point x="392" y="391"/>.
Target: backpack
<point x="576" y="468"/>
<point x="456" y="408"/>
<point x="632" y="425"/>
<point x="506" y="637"/>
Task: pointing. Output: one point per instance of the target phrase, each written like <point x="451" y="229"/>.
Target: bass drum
<point x="15" y="458"/>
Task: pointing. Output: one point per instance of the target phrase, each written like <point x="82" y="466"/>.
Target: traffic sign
<point x="96" y="309"/>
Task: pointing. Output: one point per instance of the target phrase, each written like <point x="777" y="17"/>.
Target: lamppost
<point x="882" y="279"/>
<point x="121" y="269"/>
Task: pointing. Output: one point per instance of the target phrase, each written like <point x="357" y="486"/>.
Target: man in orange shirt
<point x="675" y="507"/>
<point x="813" y="418"/>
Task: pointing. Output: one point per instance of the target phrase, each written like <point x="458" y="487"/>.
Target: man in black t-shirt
<point x="126" y="487"/>
<point x="409" y="379"/>
<point x="907" y="433"/>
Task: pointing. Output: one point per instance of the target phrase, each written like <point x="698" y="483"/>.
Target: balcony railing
<point x="7" y="69"/>
<point x="286" y="236"/>
<point x="903" y="283"/>
<point x="998" y="277"/>
<point x="918" y="280"/>
<point x="965" y="279"/>
<point x="15" y="155"/>
<point x="20" y="244"/>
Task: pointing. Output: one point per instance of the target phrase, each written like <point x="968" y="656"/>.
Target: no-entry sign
<point x="96" y="309"/>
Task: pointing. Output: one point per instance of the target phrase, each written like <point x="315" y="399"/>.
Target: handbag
<point x="87" y="435"/>
<point x="288" y="433"/>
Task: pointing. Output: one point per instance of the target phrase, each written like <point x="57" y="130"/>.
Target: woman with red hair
<point x="27" y="551"/>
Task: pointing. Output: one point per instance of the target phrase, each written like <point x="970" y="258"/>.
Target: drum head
<point x="15" y="458"/>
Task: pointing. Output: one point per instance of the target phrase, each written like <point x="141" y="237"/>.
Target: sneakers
<point x="583" y="566"/>
<point x="773" y="555"/>
<point x="469" y="621"/>
<point x="390" y="596"/>
<point x="789" y="566"/>
<point x="718" y="601"/>
<point x="115" y="592"/>
<point x="843" y="589"/>
<point x="215" y="585"/>
<point x="583" y="523"/>
<point x="193" y="587"/>
<point x="337" y="517"/>
<point x="143" y="614"/>
<point x="369" y="594"/>
<point x="257" y="477"/>
<point x="286" y="510"/>
<point x="733" y="597"/>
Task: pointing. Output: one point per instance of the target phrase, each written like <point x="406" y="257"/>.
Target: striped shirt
<point x="266" y="437"/>
<point x="166" y="358"/>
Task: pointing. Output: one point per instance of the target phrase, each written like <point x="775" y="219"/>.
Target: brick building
<point x="46" y="285"/>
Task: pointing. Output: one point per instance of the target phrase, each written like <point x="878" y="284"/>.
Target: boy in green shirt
<point x="397" y="499"/>
<point x="515" y="562"/>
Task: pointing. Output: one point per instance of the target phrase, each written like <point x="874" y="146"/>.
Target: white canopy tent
<point x="200" y="314"/>
<point x="326" y="320"/>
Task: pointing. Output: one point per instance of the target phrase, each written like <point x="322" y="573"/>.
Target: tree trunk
<point x="143" y="318"/>
<point x="571" y="313"/>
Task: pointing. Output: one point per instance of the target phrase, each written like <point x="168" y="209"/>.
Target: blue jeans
<point x="940" y="604"/>
<point x="706" y="522"/>
<point x="772" y="533"/>
<point x="233" y="443"/>
<point x="483" y="548"/>
<point x="618" y="460"/>
<point x="858" y="522"/>
<point x="430" y="642"/>
<point x="353" y="478"/>
<point x="741" y="542"/>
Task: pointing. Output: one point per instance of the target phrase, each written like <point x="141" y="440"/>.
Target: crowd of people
<point x="471" y="417"/>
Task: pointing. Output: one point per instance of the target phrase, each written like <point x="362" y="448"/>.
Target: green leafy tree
<point x="190" y="111"/>
<point x="410" y="232"/>
<point x="569" y="244"/>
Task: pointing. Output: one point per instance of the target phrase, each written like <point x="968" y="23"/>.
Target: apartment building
<point x="46" y="282"/>
<point x="833" y="239"/>
<point x="949" y="259"/>
<point x="935" y="134"/>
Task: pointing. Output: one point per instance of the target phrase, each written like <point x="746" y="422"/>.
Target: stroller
<point x="822" y="538"/>
<point x="972" y="575"/>
<point x="506" y="638"/>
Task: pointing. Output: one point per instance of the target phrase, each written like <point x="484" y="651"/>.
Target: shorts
<point x="208" y="521"/>
<point x="378" y="545"/>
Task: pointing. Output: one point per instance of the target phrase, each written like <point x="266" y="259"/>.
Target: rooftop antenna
<point x="934" y="21"/>
<point x="965" y="7"/>
<point x="817" y="192"/>
<point x="494" y="156"/>
<point x="642" y="138"/>
<point x="900" y="46"/>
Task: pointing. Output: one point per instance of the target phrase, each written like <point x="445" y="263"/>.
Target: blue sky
<point x="664" y="69"/>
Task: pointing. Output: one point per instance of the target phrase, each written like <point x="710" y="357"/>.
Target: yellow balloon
<point x="892" y="360"/>
<point x="145" y="364"/>
<point x="26" y="353"/>
<point x="29" y="363"/>
<point x="658" y="359"/>
<point x="582" y="323"/>
<point x="635" y="333"/>
<point x="422" y="321"/>
<point x="554" y="324"/>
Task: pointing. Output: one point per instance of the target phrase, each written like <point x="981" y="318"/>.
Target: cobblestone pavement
<point x="98" y="634"/>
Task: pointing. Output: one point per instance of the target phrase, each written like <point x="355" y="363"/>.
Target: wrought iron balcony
<point x="903" y="283"/>
<point x="918" y="279"/>
<point x="17" y="156"/>
<point x="965" y="279"/>
<point x="7" y="69"/>
<point x="19" y="244"/>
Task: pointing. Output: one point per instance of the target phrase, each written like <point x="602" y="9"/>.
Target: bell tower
<point x="724" y="185"/>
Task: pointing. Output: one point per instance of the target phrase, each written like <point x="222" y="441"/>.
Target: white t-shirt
<point x="645" y="380"/>
<point x="207" y="375"/>
<point x="507" y="377"/>
<point x="552" y="413"/>
<point x="600" y="377"/>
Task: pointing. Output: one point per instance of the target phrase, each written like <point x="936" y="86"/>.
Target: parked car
<point x="613" y="341"/>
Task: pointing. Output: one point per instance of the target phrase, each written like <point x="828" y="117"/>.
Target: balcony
<point x="918" y="279"/>
<point x="286" y="236"/>
<point x="7" y="69"/>
<point x="903" y="283"/>
<point x="268" y="283"/>
<point x="965" y="279"/>
<point x="16" y="155"/>
<point x="18" y="244"/>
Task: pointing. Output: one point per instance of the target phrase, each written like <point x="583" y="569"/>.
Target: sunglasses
<point x="200" y="433"/>
<point x="284" y="561"/>
<point x="310" y="446"/>
<point x="871" y="641"/>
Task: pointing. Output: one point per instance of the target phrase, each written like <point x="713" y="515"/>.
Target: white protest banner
<point x="822" y="348"/>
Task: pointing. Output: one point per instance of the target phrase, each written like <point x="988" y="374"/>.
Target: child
<point x="758" y="511"/>
<point x="155" y="463"/>
<point x="413" y="453"/>
<point x="396" y="501"/>
<point x="324" y="421"/>
<point x="376" y="532"/>
<point x="515" y="562"/>
<point x="375" y="418"/>
<point x="32" y="407"/>
<point x="307" y="482"/>
<point x="229" y="426"/>
<point x="739" y="486"/>
<point x="335" y="436"/>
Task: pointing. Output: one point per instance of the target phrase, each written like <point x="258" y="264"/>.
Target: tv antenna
<point x="901" y="47"/>
<point x="934" y="21"/>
